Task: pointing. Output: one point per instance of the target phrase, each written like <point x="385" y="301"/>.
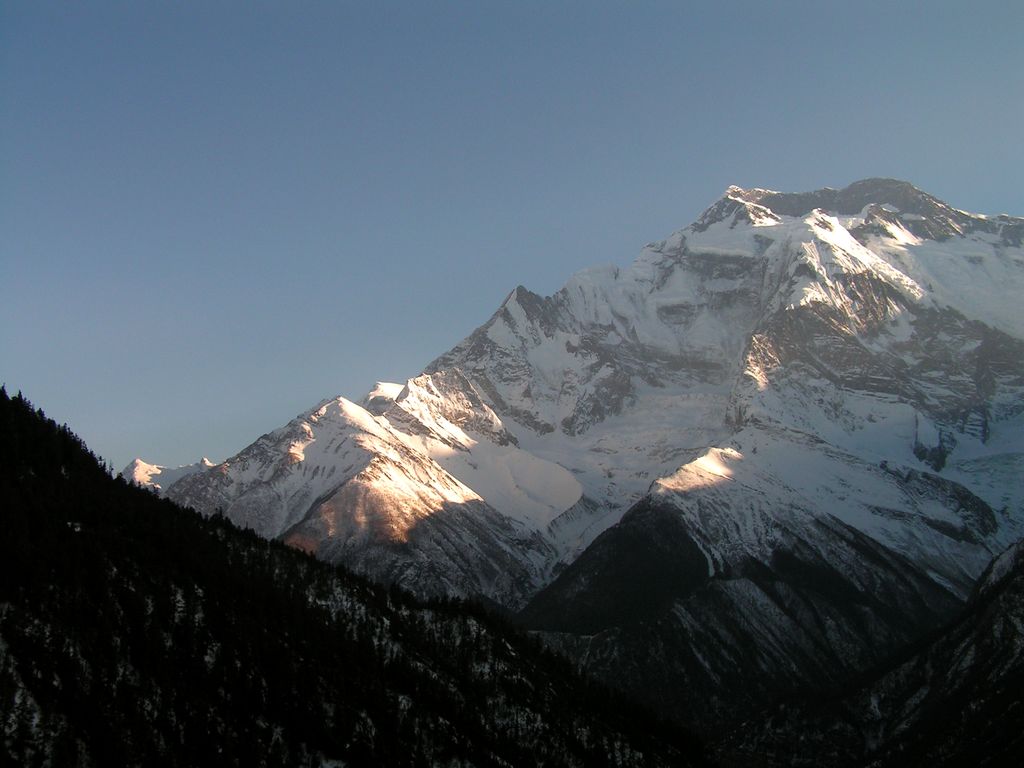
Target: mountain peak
<point x="877" y="200"/>
<point x="752" y="195"/>
<point x="852" y="199"/>
<point x="848" y="200"/>
<point x="740" y="206"/>
<point x="158" y="477"/>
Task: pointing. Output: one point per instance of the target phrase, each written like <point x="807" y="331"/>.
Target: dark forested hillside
<point x="133" y="632"/>
<point x="955" y="698"/>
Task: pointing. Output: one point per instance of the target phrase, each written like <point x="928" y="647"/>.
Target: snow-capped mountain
<point x="850" y="359"/>
<point x="160" y="478"/>
<point x="871" y="467"/>
<point x="421" y="485"/>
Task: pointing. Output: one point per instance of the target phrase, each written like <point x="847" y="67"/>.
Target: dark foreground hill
<point x="953" y="699"/>
<point x="133" y="632"/>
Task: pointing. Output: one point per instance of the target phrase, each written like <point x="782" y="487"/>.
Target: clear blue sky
<point x="213" y="215"/>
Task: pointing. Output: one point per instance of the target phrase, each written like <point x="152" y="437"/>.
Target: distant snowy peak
<point x="159" y="478"/>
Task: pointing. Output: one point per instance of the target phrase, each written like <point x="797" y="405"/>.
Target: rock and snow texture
<point x="394" y="487"/>
<point x="856" y="356"/>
